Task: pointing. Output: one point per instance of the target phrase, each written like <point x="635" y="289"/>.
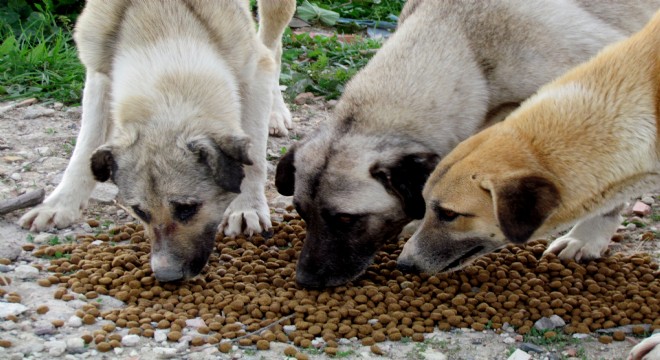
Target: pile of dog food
<point x="247" y="292"/>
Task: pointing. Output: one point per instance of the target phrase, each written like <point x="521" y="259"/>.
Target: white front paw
<point x="246" y="215"/>
<point x="280" y="118"/>
<point x="52" y="213"/>
<point x="568" y="247"/>
<point x="648" y="349"/>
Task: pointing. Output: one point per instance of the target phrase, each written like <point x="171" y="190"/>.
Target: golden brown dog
<point x="571" y="154"/>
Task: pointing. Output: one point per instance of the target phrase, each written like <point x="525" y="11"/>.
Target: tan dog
<point x="574" y="152"/>
<point x="175" y="111"/>
<point x="451" y="69"/>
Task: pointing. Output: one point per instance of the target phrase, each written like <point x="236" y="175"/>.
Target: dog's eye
<point x="345" y="219"/>
<point x="183" y="212"/>
<point x="445" y="214"/>
<point x="141" y="214"/>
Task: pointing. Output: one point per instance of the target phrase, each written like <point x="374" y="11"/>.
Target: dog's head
<point x="355" y="193"/>
<point x="178" y="185"/>
<point x="485" y="194"/>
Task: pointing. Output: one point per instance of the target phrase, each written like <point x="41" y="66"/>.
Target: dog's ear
<point x="103" y="163"/>
<point x="523" y="204"/>
<point x="225" y="158"/>
<point x="285" y="174"/>
<point x="406" y="179"/>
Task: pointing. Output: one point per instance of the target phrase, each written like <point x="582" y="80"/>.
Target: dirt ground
<point x="36" y="140"/>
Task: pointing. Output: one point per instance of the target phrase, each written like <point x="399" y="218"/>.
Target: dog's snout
<point x="308" y="280"/>
<point x="407" y="268"/>
<point x="168" y="275"/>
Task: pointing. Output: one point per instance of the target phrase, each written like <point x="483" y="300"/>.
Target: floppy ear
<point x="225" y="158"/>
<point x="523" y="204"/>
<point x="406" y="180"/>
<point x="103" y="164"/>
<point x="285" y="174"/>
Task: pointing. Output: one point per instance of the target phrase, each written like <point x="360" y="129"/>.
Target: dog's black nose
<point x="407" y="268"/>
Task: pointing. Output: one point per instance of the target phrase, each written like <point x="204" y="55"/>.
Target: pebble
<point x="509" y="340"/>
<point x="648" y="200"/>
<point x="75" y="345"/>
<point x="8" y="325"/>
<point x="11" y="309"/>
<point x="43" y="238"/>
<point x="641" y="209"/>
<point x="104" y="193"/>
<point x="529" y="347"/>
<point x="36" y="111"/>
<point x="160" y="335"/>
<point x="289" y="329"/>
<point x="44" y="151"/>
<point x="43" y="327"/>
<point x="4" y="268"/>
<point x="519" y="355"/>
<point x="580" y="336"/>
<point x="130" y="340"/>
<point x="304" y="98"/>
<point x="164" y="353"/>
<point x="16" y="177"/>
<point x="74" y="322"/>
<point x="55" y="347"/>
<point x="552" y="322"/>
<point x="431" y="354"/>
<point x="195" y="323"/>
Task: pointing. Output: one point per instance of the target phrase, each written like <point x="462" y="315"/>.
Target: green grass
<point x="40" y="61"/>
<point x="38" y="57"/>
<point x="322" y="65"/>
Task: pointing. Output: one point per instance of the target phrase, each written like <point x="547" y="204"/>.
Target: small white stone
<point x="75" y="345"/>
<point x="55" y="347"/>
<point x="130" y="340"/>
<point x="648" y="200"/>
<point x="160" y="335"/>
<point x="519" y="355"/>
<point x="289" y="329"/>
<point x="26" y="272"/>
<point x="44" y="151"/>
<point x="195" y="323"/>
<point x="8" y="309"/>
<point x="16" y="177"/>
<point x="434" y="355"/>
<point x="74" y="322"/>
<point x="164" y="353"/>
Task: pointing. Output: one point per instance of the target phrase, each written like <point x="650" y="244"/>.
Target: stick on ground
<point x="26" y="200"/>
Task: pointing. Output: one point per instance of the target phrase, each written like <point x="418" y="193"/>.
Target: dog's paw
<point x="280" y="118"/>
<point x="648" y="349"/>
<point x="48" y="215"/>
<point x="568" y="247"/>
<point x="246" y="216"/>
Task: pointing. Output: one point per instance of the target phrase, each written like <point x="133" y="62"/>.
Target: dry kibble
<point x="619" y="335"/>
<point x="263" y="345"/>
<point x="5" y="261"/>
<point x="290" y="351"/>
<point x="249" y="288"/>
<point x="5" y="343"/>
<point x="225" y="347"/>
<point x="377" y="350"/>
<point x="42" y="309"/>
<point x="332" y="351"/>
<point x="44" y="282"/>
<point x="301" y="356"/>
<point x="605" y="339"/>
<point x="103" y="346"/>
<point x="57" y="323"/>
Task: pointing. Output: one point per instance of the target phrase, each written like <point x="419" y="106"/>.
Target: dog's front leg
<point x="248" y="213"/>
<point x="589" y="238"/>
<point x="64" y="205"/>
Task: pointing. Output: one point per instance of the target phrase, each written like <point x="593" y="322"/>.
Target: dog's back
<point x="107" y="27"/>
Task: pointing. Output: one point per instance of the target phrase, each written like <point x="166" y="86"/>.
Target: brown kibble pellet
<point x="93" y="223"/>
<point x="174" y="335"/>
<point x="88" y="319"/>
<point x="619" y="335"/>
<point x="332" y="351"/>
<point x="301" y="356"/>
<point x="57" y="323"/>
<point x="44" y="282"/>
<point x="377" y="350"/>
<point x="290" y="351"/>
<point x="638" y="330"/>
<point x="103" y="346"/>
<point x="5" y="343"/>
<point x="368" y="341"/>
<point x="5" y="261"/>
<point x="28" y="247"/>
<point x="605" y="339"/>
<point x="263" y="345"/>
<point x="225" y="347"/>
<point x="42" y="309"/>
